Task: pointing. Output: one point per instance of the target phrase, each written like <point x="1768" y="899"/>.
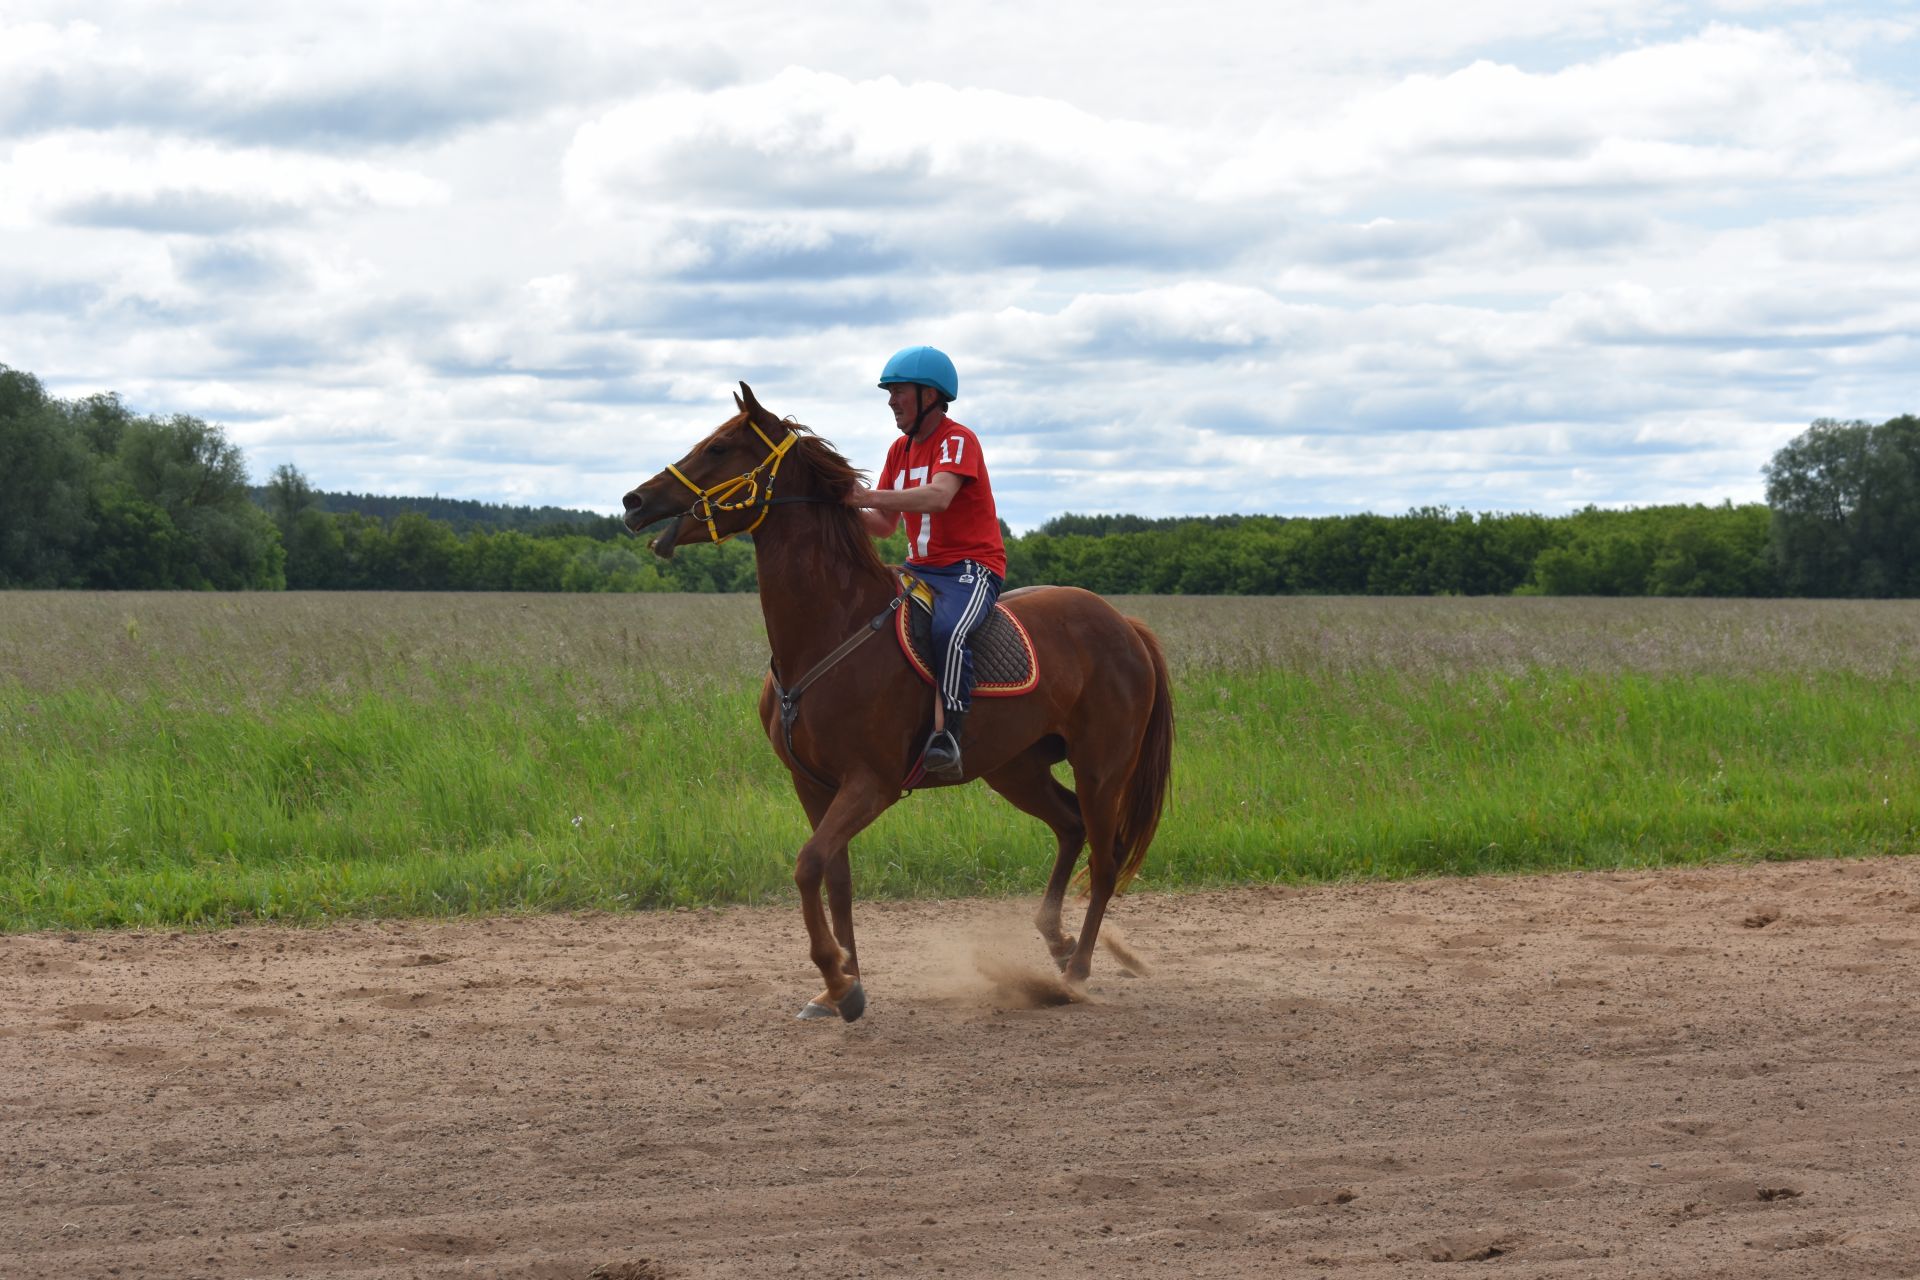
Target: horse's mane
<point x="831" y="476"/>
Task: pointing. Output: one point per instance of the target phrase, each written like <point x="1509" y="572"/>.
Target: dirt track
<point x="1682" y="1074"/>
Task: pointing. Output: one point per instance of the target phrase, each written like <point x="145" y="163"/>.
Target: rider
<point x="935" y="477"/>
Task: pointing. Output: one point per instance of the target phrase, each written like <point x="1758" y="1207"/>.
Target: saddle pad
<point x="1004" y="663"/>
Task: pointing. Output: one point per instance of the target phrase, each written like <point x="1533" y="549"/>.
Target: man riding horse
<point x="936" y="477"/>
<point x="1105" y="708"/>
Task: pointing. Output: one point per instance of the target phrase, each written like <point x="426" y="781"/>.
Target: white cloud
<point x="128" y="180"/>
<point x="1727" y="106"/>
<point x="329" y="77"/>
<point x="815" y="139"/>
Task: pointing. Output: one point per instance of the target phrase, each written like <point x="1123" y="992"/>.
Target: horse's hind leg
<point x="1102" y="873"/>
<point x="1099" y="775"/>
<point x="1029" y="785"/>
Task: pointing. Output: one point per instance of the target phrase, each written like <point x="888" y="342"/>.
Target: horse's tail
<point x="1146" y="790"/>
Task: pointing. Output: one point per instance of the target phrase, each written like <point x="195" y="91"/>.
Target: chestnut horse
<point x="1103" y="704"/>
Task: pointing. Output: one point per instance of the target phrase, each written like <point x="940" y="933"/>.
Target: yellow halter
<point x="726" y="497"/>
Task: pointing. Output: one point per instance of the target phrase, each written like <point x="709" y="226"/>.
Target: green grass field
<point x="192" y="759"/>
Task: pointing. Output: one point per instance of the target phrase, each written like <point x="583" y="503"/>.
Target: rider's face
<point x="904" y="399"/>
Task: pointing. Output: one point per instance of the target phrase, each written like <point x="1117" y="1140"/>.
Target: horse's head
<point x="722" y="486"/>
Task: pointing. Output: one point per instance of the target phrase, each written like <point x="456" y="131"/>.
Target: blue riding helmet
<point x="927" y="366"/>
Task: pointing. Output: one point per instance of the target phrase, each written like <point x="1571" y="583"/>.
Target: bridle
<point x="727" y="496"/>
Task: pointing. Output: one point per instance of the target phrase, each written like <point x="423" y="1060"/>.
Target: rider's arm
<point x="934" y="496"/>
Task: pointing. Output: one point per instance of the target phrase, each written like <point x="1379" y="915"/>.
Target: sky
<point x="1301" y="259"/>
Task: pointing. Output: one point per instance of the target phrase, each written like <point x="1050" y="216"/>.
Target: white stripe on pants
<point x="950" y="675"/>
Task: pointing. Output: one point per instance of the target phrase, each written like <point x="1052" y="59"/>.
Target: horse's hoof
<point x="813" y="1011"/>
<point x="854" y="1003"/>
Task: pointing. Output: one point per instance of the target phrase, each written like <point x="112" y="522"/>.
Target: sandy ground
<point x="1689" y="1074"/>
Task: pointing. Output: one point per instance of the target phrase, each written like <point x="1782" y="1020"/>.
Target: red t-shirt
<point x="969" y="529"/>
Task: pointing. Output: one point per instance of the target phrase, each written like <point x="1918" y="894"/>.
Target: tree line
<point x="93" y="495"/>
<point x="1669" y="550"/>
<point x="464" y="515"/>
<point x="332" y="545"/>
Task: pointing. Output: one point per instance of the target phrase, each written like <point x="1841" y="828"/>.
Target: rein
<point x="790" y="698"/>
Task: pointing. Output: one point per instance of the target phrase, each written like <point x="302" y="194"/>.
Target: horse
<point x="1103" y="703"/>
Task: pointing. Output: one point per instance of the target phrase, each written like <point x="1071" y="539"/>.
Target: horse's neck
<point x="812" y="599"/>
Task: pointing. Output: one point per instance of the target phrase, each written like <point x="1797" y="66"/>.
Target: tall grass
<point x="174" y="758"/>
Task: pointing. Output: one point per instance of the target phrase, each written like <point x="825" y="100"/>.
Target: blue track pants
<point x="963" y="596"/>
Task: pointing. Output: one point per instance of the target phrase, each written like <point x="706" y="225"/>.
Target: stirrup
<point x="942" y="754"/>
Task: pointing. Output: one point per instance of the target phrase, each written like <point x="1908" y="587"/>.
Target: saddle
<point x="1004" y="663"/>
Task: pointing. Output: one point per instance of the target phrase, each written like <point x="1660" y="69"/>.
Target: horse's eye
<point x="715" y="449"/>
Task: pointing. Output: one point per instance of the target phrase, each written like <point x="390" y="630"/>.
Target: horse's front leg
<point x="824" y="857"/>
<point x="840" y="907"/>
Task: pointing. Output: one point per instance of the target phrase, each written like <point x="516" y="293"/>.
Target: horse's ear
<point x="738" y="403"/>
<point x="752" y="407"/>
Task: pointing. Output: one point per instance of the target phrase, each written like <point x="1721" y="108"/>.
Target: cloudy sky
<point x="1493" y="254"/>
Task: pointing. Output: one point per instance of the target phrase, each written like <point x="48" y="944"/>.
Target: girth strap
<point x="790" y="698"/>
